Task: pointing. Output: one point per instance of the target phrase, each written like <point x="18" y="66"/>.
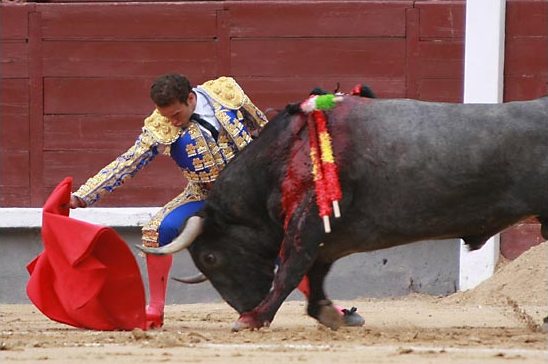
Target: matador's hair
<point x="169" y="88"/>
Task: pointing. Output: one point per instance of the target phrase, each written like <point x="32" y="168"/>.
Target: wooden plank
<point x="527" y="57"/>
<point x="156" y="184"/>
<point x="103" y="1"/>
<point x="101" y="58"/>
<point x="128" y="58"/>
<point x="14" y="59"/>
<point x="135" y="195"/>
<point x="14" y="20"/>
<point x="14" y="196"/>
<point x="130" y="195"/>
<point x="129" y="20"/>
<point x="97" y="96"/>
<point x="524" y="87"/>
<point x="36" y="108"/>
<point x="277" y="92"/>
<point x="14" y="114"/>
<point x="520" y="238"/>
<point x="14" y="143"/>
<point x="84" y="164"/>
<point x="343" y="57"/>
<point x="86" y="132"/>
<point x="441" y="59"/>
<point x="526" y="18"/>
<point x="14" y="168"/>
<point x="441" y="89"/>
<point x="318" y="19"/>
<point x="223" y="42"/>
<point x="441" y="19"/>
<point x="412" y="53"/>
<point x="102" y="96"/>
<point x="526" y="52"/>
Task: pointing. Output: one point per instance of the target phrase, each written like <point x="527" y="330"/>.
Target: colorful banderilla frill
<point x="324" y="168"/>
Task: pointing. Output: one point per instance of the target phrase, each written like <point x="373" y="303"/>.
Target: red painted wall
<point x="75" y="76"/>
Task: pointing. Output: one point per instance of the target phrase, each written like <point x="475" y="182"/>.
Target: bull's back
<point x="438" y="170"/>
<point x="416" y="127"/>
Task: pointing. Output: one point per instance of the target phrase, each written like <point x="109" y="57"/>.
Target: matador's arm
<point x="121" y="169"/>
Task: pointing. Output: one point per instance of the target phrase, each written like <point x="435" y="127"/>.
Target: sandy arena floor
<point x="500" y="321"/>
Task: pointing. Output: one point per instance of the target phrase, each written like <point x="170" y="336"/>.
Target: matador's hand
<point x="76" y="202"/>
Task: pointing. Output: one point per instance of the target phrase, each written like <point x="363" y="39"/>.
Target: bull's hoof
<point x="239" y="326"/>
<point x="330" y="317"/>
<point x="352" y="317"/>
<point x="248" y="322"/>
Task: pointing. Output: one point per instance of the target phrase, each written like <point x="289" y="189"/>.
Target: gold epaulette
<point x="226" y="92"/>
<point x="161" y="129"/>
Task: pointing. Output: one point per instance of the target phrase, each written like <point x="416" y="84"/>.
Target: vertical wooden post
<point x="223" y="42"/>
<point x="412" y="18"/>
<point x="36" y="109"/>
<point x="484" y="51"/>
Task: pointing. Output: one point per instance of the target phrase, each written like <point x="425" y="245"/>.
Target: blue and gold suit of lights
<point x="195" y="151"/>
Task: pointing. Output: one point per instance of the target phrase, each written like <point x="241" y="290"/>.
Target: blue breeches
<point x="173" y="223"/>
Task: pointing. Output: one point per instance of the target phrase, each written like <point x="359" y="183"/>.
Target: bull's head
<point x="237" y="238"/>
<point x="238" y="260"/>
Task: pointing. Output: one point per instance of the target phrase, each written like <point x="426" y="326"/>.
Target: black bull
<point x="409" y="171"/>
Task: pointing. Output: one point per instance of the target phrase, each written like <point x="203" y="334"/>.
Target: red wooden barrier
<point x="75" y="76"/>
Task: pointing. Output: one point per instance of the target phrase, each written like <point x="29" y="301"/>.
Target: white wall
<point x="483" y="83"/>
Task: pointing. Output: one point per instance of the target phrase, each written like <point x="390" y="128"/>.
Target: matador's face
<point x="179" y="113"/>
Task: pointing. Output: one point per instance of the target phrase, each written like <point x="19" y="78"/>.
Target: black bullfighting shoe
<point x="352" y="317"/>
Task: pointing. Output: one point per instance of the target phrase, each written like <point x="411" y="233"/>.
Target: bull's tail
<point x="475" y="242"/>
<point x="543" y="226"/>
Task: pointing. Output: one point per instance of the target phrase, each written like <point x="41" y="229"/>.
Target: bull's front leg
<point x="319" y="306"/>
<point x="298" y="253"/>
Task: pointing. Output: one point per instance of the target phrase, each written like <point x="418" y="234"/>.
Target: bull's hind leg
<point x="319" y="306"/>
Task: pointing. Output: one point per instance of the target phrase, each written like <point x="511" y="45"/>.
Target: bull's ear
<point x="293" y="109"/>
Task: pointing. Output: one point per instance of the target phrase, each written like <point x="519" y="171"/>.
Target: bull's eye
<point x="209" y="259"/>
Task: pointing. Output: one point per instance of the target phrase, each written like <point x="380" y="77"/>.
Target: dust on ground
<point x="497" y="322"/>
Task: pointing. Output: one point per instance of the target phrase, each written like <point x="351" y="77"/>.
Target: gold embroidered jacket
<point x="199" y="156"/>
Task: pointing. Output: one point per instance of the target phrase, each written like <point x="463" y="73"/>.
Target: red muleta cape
<point x="86" y="276"/>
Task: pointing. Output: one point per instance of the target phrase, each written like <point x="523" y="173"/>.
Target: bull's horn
<point x="192" y="229"/>
<point x="198" y="278"/>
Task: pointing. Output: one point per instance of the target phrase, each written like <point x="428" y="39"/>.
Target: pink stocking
<point x="158" y="267"/>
